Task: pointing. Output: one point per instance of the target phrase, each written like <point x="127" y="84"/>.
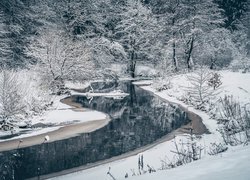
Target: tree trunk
<point x="189" y="52"/>
<point x="174" y="56"/>
<point x="212" y="63"/>
<point x="132" y="64"/>
<point x="174" y="47"/>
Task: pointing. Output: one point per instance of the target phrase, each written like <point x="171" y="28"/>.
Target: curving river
<point x="137" y="120"/>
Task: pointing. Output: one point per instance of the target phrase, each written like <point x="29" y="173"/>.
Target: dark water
<point x="136" y="120"/>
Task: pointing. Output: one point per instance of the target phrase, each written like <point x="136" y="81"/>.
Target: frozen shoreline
<point x="81" y="120"/>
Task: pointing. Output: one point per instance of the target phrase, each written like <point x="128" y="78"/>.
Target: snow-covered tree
<point x="36" y="97"/>
<point x="183" y="26"/>
<point x="43" y="14"/>
<point x="22" y="95"/>
<point x="202" y="17"/>
<point x="85" y="19"/>
<point x="11" y="97"/>
<point x="104" y="51"/>
<point x="5" y="50"/>
<point x="136" y="32"/>
<point x="216" y="48"/>
<point x="18" y="26"/>
<point x="60" y="58"/>
<point x="170" y="14"/>
<point x="233" y="12"/>
<point x="241" y="59"/>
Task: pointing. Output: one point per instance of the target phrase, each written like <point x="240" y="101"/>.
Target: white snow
<point x="227" y="166"/>
<point x="119" y="168"/>
<point x="59" y="115"/>
<point x="33" y="132"/>
<point x="146" y="71"/>
<point x="69" y="115"/>
<point x="76" y="85"/>
<point x="143" y="82"/>
<point x="236" y="84"/>
<point x="234" y="164"/>
<point x="111" y="94"/>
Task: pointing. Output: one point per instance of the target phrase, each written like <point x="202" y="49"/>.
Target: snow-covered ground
<point x="31" y="132"/>
<point x="114" y="94"/>
<point x="230" y="165"/>
<point x="64" y="114"/>
<point x="57" y="116"/>
<point x="76" y="85"/>
<point x="233" y="83"/>
<point x="233" y="164"/>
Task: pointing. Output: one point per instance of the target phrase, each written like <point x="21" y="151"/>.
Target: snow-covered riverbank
<point x="227" y="165"/>
<point x="63" y="120"/>
<point x="230" y="165"/>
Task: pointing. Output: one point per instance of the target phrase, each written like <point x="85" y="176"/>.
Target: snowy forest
<point x="188" y="49"/>
<point x="73" y="40"/>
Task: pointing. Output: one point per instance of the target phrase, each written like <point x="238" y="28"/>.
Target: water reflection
<point x="137" y="120"/>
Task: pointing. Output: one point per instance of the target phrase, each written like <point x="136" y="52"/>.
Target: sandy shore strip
<point x="62" y="133"/>
<point x="196" y="123"/>
<point x="59" y="134"/>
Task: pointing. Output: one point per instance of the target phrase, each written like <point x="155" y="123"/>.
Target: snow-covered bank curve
<point x="196" y="121"/>
<point x="89" y="121"/>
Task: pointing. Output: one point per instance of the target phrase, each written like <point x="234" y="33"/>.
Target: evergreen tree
<point x="5" y="50"/>
<point x="18" y="24"/>
<point x="233" y="11"/>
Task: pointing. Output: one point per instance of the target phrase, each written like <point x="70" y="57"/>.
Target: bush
<point x="215" y="148"/>
<point x="234" y="121"/>
<point x="215" y="80"/>
<point x="163" y="84"/>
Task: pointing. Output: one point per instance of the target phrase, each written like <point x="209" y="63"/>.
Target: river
<point x="137" y="120"/>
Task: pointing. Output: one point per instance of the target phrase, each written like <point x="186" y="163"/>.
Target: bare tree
<point x="60" y="58"/>
<point x="11" y="98"/>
